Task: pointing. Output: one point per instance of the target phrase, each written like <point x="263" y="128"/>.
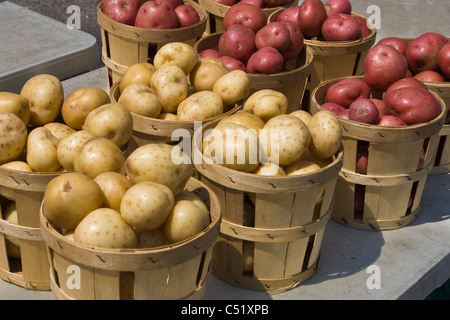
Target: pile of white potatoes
<point x="181" y="86"/>
<point x="267" y="141"/>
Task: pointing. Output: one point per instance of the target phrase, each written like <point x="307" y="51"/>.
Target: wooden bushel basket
<point x="292" y="82"/>
<point x="216" y="12"/>
<point x="124" y="45"/>
<point x="275" y="244"/>
<point x="27" y="190"/>
<point x="151" y="130"/>
<point x="172" y="272"/>
<point x="392" y="189"/>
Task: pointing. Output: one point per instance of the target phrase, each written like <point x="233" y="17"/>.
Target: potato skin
<point x="42" y="150"/>
<point x="45" y="95"/>
<point x="13" y="136"/>
<point x="17" y="104"/>
<point x="326" y="134"/>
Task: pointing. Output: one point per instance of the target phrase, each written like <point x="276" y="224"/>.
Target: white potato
<point x="69" y="197"/>
<point x="69" y="146"/>
<point x="284" y="139"/>
<point x="233" y="146"/>
<point x="17" y="104"/>
<point x="18" y="166"/>
<point x="79" y="103"/>
<point x="99" y="155"/>
<point x="168" y="116"/>
<point x="188" y="217"/>
<point x="146" y="205"/>
<point x="42" y="150"/>
<point x="205" y="74"/>
<point x="45" y="95"/>
<point x="141" y="99"/>
<point x="171" y="86"/>
<point x="10" y="215"/>
<point x="199" y="106"/>
<point x="326" y="134"/>
<point x="178" y="54"/>
<point x="112" y="121"/>
<point x="266" y="104"/>
<point x="270" y="169"/>
<point x="151" y="238"/>
<point x="160" y="163"/>
<point x="114" y="185"/>
<point x="233" y="87"/>
<point x="246" y="119"/>
<point x="59" y="130"/>
<point x="137" y="73"/>
<point x="303" y="115"/>
<point x="302" y="167"/>
<point x="105" y="228"/>
<point x="13" y="137"/>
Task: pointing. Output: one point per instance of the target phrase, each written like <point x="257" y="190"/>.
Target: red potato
<point x="344" y="114"/>
<point x="311" y="16"/>
<point x="383" y="66"/>
<point x="345" y="91"/>
<point x="391" y="121"/>
<point x="422" y="52"/>
<point x="365" y="30"/>
<point x="226" y="2"/>
<point x="408" y="74"/>
<point x="155" y="15"/>
<point x="267" y="60"/>
<point x="233" y="64"/>
<point x="333" y="107"/>
<point x="289" y="14"/>
<point x="187" y="15"/>
<point x="341" y="27"/>
<point x="406" y="82"/>
<point x="245" y="14"/>
<point x="274" y="34"/>
<point x="444" y="59"/>
<point x="363" y="110"/>
<point x="362" y="157"/>
<point x="398" y="43"/>
<point x="381" y="106"/>
<point x="296" y="41"/>
<point x="338" y="6"/>
<point x="237" y="42"/>
<point x="174" y="3"/>
<point x="258" y="3"/>
<point x="412" y="105"/>
<point x="209" y="53"/>
<point x="429" y="75"/>
<point x="123" y="11"/>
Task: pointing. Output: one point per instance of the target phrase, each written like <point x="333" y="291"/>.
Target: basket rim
<point x="136" y="259"/>
<point x="19" y="180"/>
<point x="375" y="133"/>
<point x="222" y="8"/>
<point x="248" y="182"/>
<point x="142" y="34"/>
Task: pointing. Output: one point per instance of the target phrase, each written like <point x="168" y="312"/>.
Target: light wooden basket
<point x="394" y="182"/>
<point x="151" y="130"/>
<point x="172" y="272"/>
<point x="27" y="190"/>
<point x="291" y="82"/>
<point x="216" y="12"/>
<point x="275" y="244"/>
<point x="124" y="45"/>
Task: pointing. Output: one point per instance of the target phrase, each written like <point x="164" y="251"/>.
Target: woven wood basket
<point x="178" y="271"/>
<point x="275" y="244"/>
<point x="124" y="45"/>
<point x="291" y="82"/>
<point x="393" y="186"/>
<point x="151" y="130"/>
<point x="216" y="12"/>
<point x="27" y="190"/>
